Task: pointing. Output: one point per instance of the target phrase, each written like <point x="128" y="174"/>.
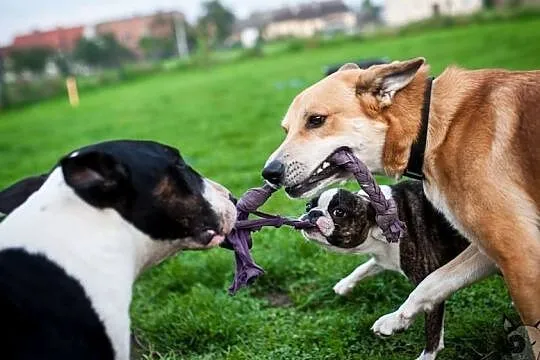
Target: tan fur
<point x="482" y="154"/>
<point x="482" y="148"/>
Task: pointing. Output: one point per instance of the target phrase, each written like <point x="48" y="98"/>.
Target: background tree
<point x="4" y="101"/>
<point x="217" y="21"/>
<point x="156" y="48"/>
<point x="102" y="51"/>
<point x="370" y="13"/>
<point x="31" y="59"/>
<point x="88" y="51"/>
<point x="115" y="53"/>
<point x="62" y="62"/>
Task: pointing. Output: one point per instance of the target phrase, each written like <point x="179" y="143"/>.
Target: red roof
<point x="58" y="39"/>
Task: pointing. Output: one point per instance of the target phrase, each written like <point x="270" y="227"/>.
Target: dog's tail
<point x="16" y="194"/>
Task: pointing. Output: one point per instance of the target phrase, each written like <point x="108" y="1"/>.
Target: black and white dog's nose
<point x="313" y="215"/>
<point x="273" y="172"/>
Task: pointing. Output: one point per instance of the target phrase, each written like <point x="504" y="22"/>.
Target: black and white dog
<point x="71" y="252"/>
<point x="346" y="223"/>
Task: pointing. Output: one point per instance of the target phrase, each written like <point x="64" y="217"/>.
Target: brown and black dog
<point x="481" y="163"/>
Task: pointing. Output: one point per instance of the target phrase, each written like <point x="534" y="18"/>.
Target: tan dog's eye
<point x="315" y="121"/>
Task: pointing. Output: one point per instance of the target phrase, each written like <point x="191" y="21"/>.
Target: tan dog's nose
<point x="273" y="172"/>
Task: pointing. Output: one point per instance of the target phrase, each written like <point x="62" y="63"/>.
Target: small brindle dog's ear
<point x="364" y="204"/>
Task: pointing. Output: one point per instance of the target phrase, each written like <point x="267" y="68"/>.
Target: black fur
<point x="145" y="182"/>
<point x="13" y="196"/>
<point x="45" y="312"/>
<point x="430" y="243"/>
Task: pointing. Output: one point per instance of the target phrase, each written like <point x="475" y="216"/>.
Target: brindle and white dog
<point x="481" y="163"/>
<point x="346" y="223"/>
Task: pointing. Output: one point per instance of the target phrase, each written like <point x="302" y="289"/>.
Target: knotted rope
<point x="240" y="238"/>
<point x="386" y="215"/>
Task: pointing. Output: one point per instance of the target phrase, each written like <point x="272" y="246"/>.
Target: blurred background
<point x="214" y="78"/>
<point x="101" y="43"/>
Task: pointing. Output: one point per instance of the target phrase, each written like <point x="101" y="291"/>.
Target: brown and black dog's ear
<point x="16" y="194"/>
<point x="385" y="80"/>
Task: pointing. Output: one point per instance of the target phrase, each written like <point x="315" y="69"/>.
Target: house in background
<point x="399" y="12"/>
<point x="60" y="39"/>
<point x="130" y="31"/>
<point x="303" y="21"/>
<point x="247" y="31"/>
<point x="306" y="20"/>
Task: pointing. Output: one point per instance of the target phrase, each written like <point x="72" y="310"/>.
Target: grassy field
<point x="225" y="120"/>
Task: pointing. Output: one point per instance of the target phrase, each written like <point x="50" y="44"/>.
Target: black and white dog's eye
<point x="315" y="121"/>
<point x="339" y="213"/>
<point x="309" y="206"/>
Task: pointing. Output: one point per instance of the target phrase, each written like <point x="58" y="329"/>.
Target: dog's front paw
<point x="344" y="286"/>
<point x="390" y="324"/>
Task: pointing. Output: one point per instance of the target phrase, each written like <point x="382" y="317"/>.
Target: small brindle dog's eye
<point x="315" y="121"/>
<point x="339" y="213"/>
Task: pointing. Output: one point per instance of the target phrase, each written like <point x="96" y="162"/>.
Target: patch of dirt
<point x="278" y="299"/>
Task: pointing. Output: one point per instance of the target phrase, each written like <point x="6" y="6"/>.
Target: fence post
<point x="73" y="93"/>
<point x="4" y="102"/>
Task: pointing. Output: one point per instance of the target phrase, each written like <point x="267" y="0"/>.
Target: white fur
<point x="367" y="269"/>
<point x="366" y="140"/>
<point x="325" y="198"/>
<point x="97" y="247"/>
<point x="218" y="198"/>
<point x="468" y="267"/>
<point x="385" y="254"/>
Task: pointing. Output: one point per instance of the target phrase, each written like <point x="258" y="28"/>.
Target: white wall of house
<point x="401" y="12"/>
<point x="309" y="27"/>
<point x="248" y="37"/>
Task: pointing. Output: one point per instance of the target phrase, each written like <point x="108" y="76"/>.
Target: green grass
<point x="226" y="122"/>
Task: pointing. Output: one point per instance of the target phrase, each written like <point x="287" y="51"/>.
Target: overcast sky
<point x="20" y="16"/>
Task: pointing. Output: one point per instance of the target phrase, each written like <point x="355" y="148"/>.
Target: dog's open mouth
<point x="325" y="174"/>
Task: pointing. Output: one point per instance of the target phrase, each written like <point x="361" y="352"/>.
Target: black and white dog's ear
<point x="96" y="176"/>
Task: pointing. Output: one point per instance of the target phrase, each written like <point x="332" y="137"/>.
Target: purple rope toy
<point x="240" y="238"/>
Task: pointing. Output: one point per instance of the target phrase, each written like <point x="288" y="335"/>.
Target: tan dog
<point x="481" y="164"/>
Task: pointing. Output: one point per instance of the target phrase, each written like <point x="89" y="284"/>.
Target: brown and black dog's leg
<point x="16" y="194"/>
<point x="434" y="333"/>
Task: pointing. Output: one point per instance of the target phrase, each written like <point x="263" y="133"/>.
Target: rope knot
<point x="240" y="238"/>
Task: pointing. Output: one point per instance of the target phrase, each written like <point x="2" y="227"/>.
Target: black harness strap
<point x="418" y="148"/>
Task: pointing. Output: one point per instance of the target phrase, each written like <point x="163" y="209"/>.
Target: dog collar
<point x="418" y="148"/>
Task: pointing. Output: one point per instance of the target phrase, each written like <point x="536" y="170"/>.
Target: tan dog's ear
<point x="349" y="66"/>
<point x="389" y="79"/>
